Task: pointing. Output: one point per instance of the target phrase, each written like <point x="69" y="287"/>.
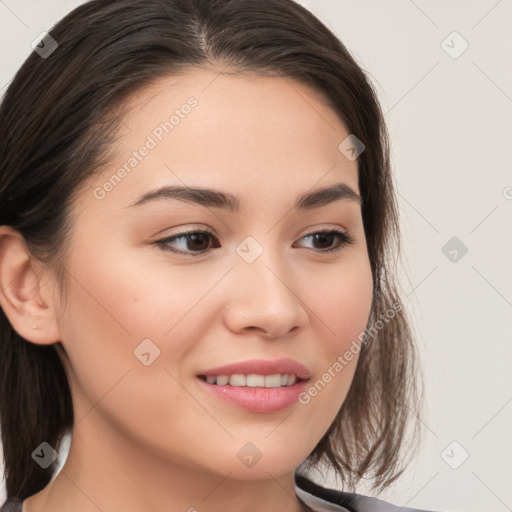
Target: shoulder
<point x="11" y="505"/>
<point x="322" y="499"/>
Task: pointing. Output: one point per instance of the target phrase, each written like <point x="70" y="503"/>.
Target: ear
<point x="25" y="291"/>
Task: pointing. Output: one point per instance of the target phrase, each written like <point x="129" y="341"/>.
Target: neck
<point x="109" y="472"/>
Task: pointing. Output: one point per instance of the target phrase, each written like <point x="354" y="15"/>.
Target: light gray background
<point x="450" y="123"/>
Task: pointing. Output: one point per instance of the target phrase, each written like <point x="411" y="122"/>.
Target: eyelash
<point x="344" y="237"/>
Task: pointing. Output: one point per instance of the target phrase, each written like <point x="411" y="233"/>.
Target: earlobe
<point x="30" y="313"/>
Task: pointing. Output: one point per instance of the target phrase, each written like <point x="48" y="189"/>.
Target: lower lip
<point x="264" y="400"/>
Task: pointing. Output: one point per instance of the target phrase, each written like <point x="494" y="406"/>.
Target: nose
<point x="264" y="300"/>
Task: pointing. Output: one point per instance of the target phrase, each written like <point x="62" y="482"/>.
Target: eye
<point x="190" y="243"/>
<point x="326" y="239"/>
<point x="195" y="243"/>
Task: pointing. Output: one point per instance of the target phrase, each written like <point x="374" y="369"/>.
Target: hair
<point x="58" y="120"/>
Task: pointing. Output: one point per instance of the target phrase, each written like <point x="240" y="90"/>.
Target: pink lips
<point x="258" y="399"/>
<point x="260" y="367"/>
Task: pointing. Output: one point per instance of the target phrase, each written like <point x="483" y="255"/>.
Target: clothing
<point x="321" y="499"/>
<point x="316" y="497"/>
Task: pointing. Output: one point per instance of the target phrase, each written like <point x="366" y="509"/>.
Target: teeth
<point x="237" y="380"/>
<point x="222" y="380"/>
<point x="273" y="381"/>
<point x="253" y="381"/>
<point x="256" y="381"/>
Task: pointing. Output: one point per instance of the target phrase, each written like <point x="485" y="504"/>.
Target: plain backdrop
<point x="443" y="72"/>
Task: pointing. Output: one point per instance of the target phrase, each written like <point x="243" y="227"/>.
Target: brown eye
<point x="323" y="240"/>
<point x="190" y="243"/>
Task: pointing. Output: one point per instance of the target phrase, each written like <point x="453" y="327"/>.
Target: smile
<point x="252" y="380"/>
<point x="259" y="385"/>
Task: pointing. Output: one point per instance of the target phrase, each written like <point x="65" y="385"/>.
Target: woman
<point x="197" y="231"/>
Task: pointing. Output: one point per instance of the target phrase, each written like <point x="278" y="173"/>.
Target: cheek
<point x="343" y="305"/>
<point x="114" y="305"/>
<point x="129" y="297"/>
<point x="109" y="312"/>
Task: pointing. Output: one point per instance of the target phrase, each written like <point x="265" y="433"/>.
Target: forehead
<point x="243" y="133"/>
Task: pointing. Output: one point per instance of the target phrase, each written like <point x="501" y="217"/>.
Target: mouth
<point x="240" y="380"/>
<point x="258" y="386"/>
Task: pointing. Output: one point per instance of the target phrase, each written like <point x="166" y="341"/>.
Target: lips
<point x="258" y="386"/>
<point x="260" y="367"/>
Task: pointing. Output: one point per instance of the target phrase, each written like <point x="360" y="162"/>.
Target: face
<point x="165" y="289"/>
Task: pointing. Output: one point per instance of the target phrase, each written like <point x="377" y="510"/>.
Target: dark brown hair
<point x="60" y="116"/>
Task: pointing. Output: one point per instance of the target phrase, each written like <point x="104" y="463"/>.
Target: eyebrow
<point x="216" y="199"/>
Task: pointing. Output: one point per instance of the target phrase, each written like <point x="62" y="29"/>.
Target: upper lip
<point x="260" y="367"/>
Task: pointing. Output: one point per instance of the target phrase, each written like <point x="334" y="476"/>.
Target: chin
<point x="265" y="460"/>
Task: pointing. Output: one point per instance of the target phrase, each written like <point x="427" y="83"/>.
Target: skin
<point x="146" y="437"/>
